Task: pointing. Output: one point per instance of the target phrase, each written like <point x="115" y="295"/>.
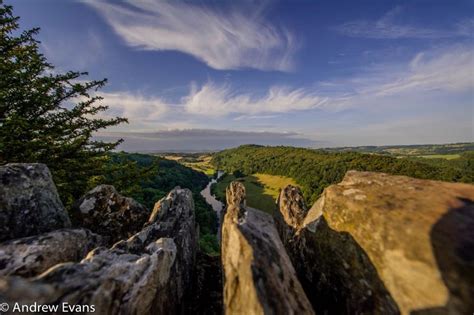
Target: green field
<point x="262" y="190"/>
<point x="199" y="163"/>
<point x="441" y="156"/>
<point x="434" y="151"/>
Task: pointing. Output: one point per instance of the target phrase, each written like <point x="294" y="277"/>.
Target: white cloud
<point x="387" y="28"/>
<point x="444" y="71"/>
<point x="223" y="40"/>
<point x="427" y="76"/>
<point x="134" y="106"/>
<point x="247" y="117"/>
<point x="448" y="70"/>
<point x="220" y="100"/>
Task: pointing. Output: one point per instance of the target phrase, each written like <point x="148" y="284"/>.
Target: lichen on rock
<point x="383" y="244"/>
<point x="103" y="210"/>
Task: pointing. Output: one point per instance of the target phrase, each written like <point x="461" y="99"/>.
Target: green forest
<point x="149" y="178"/>
<point x="314" y="170"/>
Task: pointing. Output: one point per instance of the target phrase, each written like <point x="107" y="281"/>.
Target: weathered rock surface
<point x="148" y="273"/>
<point x="29" y="201"/>
<point x="103" y="210"/>
<point x="417" y="235"/>
<point x="259" y="277"/>
<point x="336" y="274"/>
<point x="33" y="255"/>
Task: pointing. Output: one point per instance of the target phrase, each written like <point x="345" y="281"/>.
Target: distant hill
<point x="314" y="170"/>
<point x="410" y="150"/>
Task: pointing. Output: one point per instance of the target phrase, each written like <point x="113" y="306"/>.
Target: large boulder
<point x="103" y="210"/>
<point x="336" y="274"/>
<point x="258" y="275"/>
<point x="29" y="201"/>
<point x="398" y="238"/>
<point x="30" y="256"/>
<point x="149" y="273"/>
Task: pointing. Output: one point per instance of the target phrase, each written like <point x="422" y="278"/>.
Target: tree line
<point x="314" y="170"/>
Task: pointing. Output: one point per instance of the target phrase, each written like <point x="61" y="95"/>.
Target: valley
<point x="262" y="189"/>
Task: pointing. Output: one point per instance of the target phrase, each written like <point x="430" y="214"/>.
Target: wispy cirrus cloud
<point x="447" y="70"/>
<point x="444" y="71"/>
<point x="387" y="28"/>
<point x="134" y="106"/>
<point x="452" y="71"/>
<point x="223" y="40"/>
<point x="220" y="100"/>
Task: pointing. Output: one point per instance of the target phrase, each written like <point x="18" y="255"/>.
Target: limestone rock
<point x="418" y="235"/>
<point x="103" y="210"/>
<point x="292" y="201"/>
<point x="235" y="194"/>
<point x="259" y="277"/>
<point x="33" y="255"/>
<point x="147" y="274"/>
<point x="29" y="201"/>
<point x="336" y="274"/>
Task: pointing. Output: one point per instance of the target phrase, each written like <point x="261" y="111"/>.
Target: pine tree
<point x="46" y="116"/>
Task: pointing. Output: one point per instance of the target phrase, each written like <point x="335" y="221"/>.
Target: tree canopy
<point x="47" y="116"/>
<point x="314" y="170"/>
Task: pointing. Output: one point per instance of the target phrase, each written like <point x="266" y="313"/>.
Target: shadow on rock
<point x="452" y="238"/>
<point x="337" y="275"/>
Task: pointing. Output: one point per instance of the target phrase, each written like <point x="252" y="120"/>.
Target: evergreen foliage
<point x="46" y="116"/>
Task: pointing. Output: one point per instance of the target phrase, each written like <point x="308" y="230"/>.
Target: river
<point x="216" y="205"/>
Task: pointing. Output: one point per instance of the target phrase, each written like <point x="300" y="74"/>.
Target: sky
<point x="207" y="75"/>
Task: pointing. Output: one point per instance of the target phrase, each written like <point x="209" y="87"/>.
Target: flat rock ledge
<point x="147" y="274"/>
<point x="258" y="275"/>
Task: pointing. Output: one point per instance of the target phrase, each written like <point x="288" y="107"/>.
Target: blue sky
<point x="213" y="74"/>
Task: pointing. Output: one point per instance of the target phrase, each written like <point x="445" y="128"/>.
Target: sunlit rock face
<point x="29" y="201"/>
<point x="258" y="275"/>
<point x="384" y="244"/>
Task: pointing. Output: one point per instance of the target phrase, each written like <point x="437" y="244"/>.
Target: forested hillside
<point x="149" y="178"/>
<point x="411" y="150"/>
<point x="314" y="170"/>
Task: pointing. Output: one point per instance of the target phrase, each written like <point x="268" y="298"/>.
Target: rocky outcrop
<point x="103" y="210"/>
<point x="259" y="277"/>
<point x="148" y="273"/>
<point x="29" y="201"/>
<point x="381" y="244"/>
<point x="33" y="255"/>
<point x="292" y="205"/>
<point x="336" y="274"/>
